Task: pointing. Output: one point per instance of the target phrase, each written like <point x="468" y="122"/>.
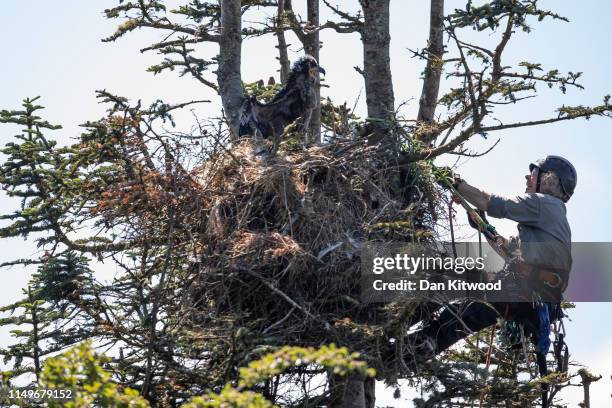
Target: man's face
<point x="532" y="180"/>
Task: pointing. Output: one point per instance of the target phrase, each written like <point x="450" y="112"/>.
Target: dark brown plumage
<point x="296" y="100"/>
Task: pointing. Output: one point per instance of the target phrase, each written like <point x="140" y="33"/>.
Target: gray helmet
<point x="562" y="168"/>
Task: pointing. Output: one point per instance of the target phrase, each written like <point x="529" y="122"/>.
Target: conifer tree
<point x="223" y="256"/>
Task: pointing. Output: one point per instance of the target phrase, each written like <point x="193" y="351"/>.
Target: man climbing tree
<point x="538" y="260"/>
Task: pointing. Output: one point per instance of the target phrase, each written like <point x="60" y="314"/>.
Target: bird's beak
<point x="321" y="70"/>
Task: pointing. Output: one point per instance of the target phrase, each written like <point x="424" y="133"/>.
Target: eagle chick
<point x="296" y="100"/>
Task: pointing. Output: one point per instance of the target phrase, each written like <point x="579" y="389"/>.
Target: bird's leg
<point x="304" y="127"/>
<point x="275" y="142"/>
<point x="258" y="141"/>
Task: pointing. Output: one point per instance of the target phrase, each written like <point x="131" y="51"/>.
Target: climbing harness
<point x="510" y="334"/>
<point x="514" y="336"/>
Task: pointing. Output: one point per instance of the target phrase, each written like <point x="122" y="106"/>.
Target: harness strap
<point x="452" y="228"/>
<point x="555" y="279"/>
<point x="543" y="369"/>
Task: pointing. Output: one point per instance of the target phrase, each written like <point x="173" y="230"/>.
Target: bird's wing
<point x="246" y="118"/>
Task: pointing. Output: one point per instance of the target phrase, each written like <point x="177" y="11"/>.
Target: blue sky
<point x="53" y="49"/>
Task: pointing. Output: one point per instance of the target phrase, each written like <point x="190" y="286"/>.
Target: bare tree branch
<point x="433" y="70"/>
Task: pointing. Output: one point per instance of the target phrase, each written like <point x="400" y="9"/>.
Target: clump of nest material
<point x="283" y="237"/>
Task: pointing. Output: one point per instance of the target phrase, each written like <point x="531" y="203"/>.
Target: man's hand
<point x="456" y="180"/>
<point x="472" y="195"/>
<point x="472" y="220"/>
<point x="445" y="176"/>
<point x="475" y="197"/>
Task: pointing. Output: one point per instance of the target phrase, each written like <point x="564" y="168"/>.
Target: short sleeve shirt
<point x="544" y="233"/>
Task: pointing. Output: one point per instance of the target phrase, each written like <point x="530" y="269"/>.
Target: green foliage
<point x="586" y="111"/>
<point x="27" y="353"/>
<point x="63" y="277"/>
<point x="76" y="200"/>
<point x="30" y="170"/>
<point x="177" y="47"/>
<point x="52" y="315"/>
<point x="263" y="93"/>
<point x="81" y="371"/>
<point x="198" y="11"/>
<point x="338" y="119"/>
<point x="490" y="14"/>
<point x="338" y="360"/>
<point x="230" y="398"/>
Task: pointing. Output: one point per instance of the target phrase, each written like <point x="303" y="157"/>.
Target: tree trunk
<point x="587" y="397"/>
<point x="283" y="57"/>
<point x="35" y="345"/>
<point x="433" y="70"/>
<point x="311" y="46"/>
<point x="228" y="75"/>
<point x="352" y="392"/>
<point x="369" y="388"/>
<point x="377" y="65"/>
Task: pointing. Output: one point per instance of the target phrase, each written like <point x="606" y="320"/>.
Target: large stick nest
<point x="283" y="237"/>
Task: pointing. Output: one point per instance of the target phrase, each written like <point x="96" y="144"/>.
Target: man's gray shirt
<point x="544" y="233"/>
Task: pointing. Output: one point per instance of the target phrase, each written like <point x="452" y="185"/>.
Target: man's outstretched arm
<point x="479" y="199"/>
